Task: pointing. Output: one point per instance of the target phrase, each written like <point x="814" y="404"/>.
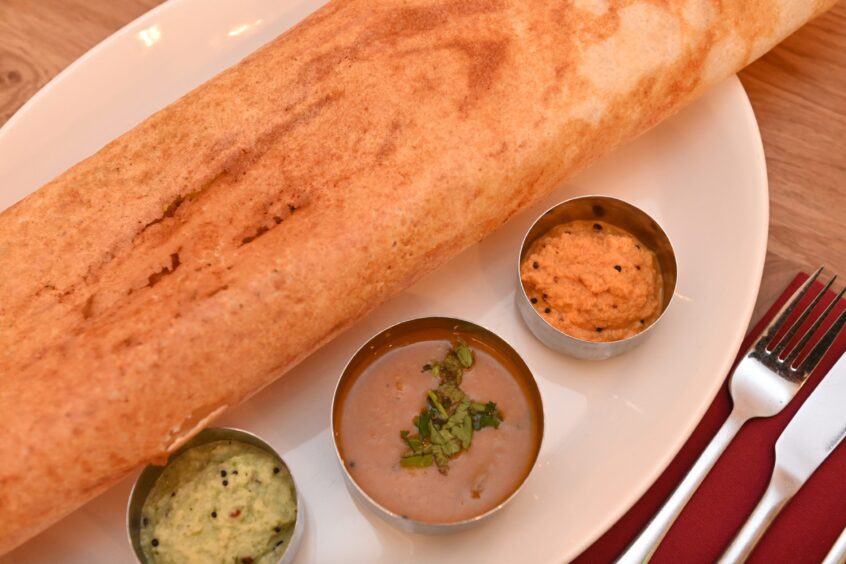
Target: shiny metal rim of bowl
<point x="147" y="479"/>
<point x="492" y="339"/>
<point x="620" y="214"/>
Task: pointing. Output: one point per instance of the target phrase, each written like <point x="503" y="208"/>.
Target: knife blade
<point x="817" y="428"/>
<point x="813" y="433"/>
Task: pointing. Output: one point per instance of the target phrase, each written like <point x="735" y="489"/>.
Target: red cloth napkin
<point x="806" y="528"/>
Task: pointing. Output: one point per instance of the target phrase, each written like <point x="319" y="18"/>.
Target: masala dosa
<point x="202" y="254"/>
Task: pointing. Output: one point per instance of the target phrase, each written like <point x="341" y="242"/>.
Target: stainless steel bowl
<point x="620" y="214"/>
<point x="366" y="354"/>
<point x="147" y="479"/>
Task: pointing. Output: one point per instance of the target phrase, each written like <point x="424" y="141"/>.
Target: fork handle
<point x="779" y="492"/>
<point x="648" y="540"/>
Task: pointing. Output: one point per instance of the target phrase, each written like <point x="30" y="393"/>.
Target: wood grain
<point x="798" y="92"/>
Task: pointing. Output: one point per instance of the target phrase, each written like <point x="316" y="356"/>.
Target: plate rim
<point x="103" y="44"/>
<point x="761" y="188"/>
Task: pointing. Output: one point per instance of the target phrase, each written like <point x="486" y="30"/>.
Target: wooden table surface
<point x="798" y="92"/>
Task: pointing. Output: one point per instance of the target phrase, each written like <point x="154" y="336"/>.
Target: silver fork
<point x="765" y="380"/>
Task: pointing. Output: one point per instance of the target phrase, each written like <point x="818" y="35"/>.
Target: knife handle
<point x="837" y="554"/>
<point x="781" y="488"/>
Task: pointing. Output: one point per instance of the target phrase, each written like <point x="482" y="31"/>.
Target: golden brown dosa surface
<point x="205" y="252"/>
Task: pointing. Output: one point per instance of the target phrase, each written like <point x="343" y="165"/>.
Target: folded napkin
<point x="806" y="528"/>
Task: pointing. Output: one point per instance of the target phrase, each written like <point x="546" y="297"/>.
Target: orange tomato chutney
<point x="381" y="396"/>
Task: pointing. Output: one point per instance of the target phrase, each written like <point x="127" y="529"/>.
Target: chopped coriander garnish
<point x="445" y="426"/>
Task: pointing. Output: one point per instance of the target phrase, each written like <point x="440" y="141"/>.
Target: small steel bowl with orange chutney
<point x="596" y="275"/>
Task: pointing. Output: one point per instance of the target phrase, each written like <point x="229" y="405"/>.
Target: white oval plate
<point x="612" y="426"/>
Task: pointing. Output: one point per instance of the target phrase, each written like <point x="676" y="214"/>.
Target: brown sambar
<point x="384" y="387"/>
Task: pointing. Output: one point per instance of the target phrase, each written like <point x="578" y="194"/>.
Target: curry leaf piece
<point x="416" y="461"/>
<point x="465" y="431"/>
<point x="413" y="441"/>
<point x="436" y="435"/>
<point x="441" y="459"/>
<point x="477" y="407"/>
<point x="445" y="426"/>
<point x="452" y="446"/>
<point x="460" y="425"/>
<point x="422" y="423"/>
<point x="453" y="368"/>
<point x="433" y="398"/>
<point x="464" y="354"/>
<point x="488" y="421"/>
<point x="452" y="392"/>
<point x="491" y="416"/>
<point x="444" y="439"/>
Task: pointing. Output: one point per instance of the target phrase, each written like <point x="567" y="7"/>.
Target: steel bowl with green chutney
<point x="225" y="496"/>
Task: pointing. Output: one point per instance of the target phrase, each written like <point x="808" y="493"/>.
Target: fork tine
<point x="823" y="345"/>
<point x="811" y="330"/>
<point x="786" y="310"/>
<point x="788" y="335"/>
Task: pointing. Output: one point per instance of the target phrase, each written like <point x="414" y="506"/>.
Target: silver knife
<point x="812" y="434"/>
<point x="837" y="554"/>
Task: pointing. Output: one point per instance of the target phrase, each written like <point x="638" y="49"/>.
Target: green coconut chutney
<point x="224" y="501"/>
